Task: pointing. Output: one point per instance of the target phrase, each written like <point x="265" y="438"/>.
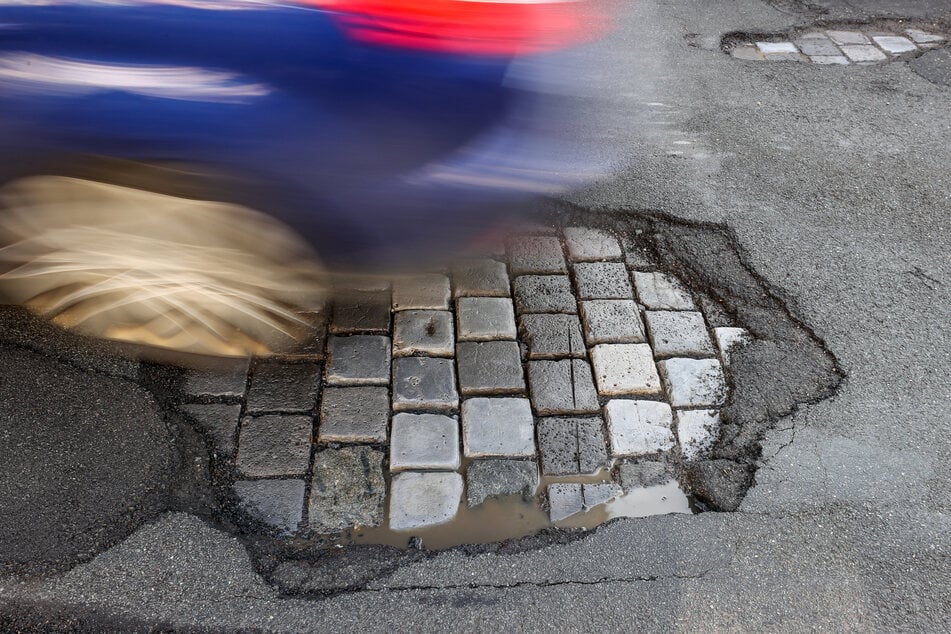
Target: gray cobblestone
<point x="639" y="427"/>
<point x="274" y="445"/>
<point x="603" y="280"/>
<point x="564" y="500"/>
<point x="481" y="278"/>
<point x="612" y="321"/>
<point x="599" y="493"/>
<point x="427" y="332"/>
<point x="500" y="478"/>
<point x="498" y="427"/>
<point x="485" y="318"/>
<point x="424" y="383"/>
<point x="552" y="336"/>
<point x="697" y="430"/>
<point x="678" y="333"/>
<point x="421" y="292"/>
<point x="277" y="503"/>
<point x="591" y="245"/>
<point x="818" y="44"/>
<point x="562" y="387"/>
<point x="490" y="367"/>
<point x="625" y="368"/>
<point x="219" y="422"/>
<point x="847" y="37"/>
<point x="544" y="294"/>
<point x="353" y="415"/>
<point x="536" y="254"/>
<point x="571" y="446"/>
<point x="424" y="441"/>
<point x="361" y="312"/>
<point x="358" y="360"/>
<point x="423" y="499"/>
<point x="867" y="53"/>
<point x="283" y="387"/>
<point x="693" y="382"/>
<point x="225" y="378"/>
<point x="642" y="474"/>
<point x="658" y="291"/>
<point x="347" y="489"/>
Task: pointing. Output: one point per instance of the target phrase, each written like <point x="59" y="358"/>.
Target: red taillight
<point x="481" y="27"/>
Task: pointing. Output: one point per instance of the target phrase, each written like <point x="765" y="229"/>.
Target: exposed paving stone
<point x="647" y="473"/>
<point x="498" y="427"/>
<point x="747" y="52"/>
<point x="353" y="415"/>
<point x="358" y="360"/>
<point x="678" y="333"/>
<point x="424" y="383"/>
<point x="423" y="499"/>
<point x="219" y="422"/>
<point x="481" y="278"/>
<point x="552" y="336"/>
<point x="564" y="500"/>
<point x="562" y="387"/>
<point x="347" y="489"/>
<point x="864" y="53"/>
<point x="817" y="44"/>
<point x="277" y="503"/>
<point x="895" y="44"/>
<point x="424" y="441"/>
<point x="591" y="245"/>
<point x="600" y="493"/>
<point x="536" y="254"/>
<point x="603" y="280"/>
<point x="840" y="60"/>
<point x="421" y="292"/>
<point x="544" y="294"/>
<point x="693" y="382"/>
<point x="485" y="318"/>
<point x="500" y="478"/>
<point x="728" y="339"/>
<point x="428" y="332"/>
<point x="361" y="311"/>
<point x="658" y="291"/>
<point x="847" y="37"/>
<point x="274" y="446"/>
<point x="225" y="378"/>
<point x="571" y="446"/>
<point x="283" y="387"/>
<point x="923" y="37"/>
<point x="636" y="428"/>
<point x="625" y="368"/>
<point x="490" y="367"/>
<point x="771" y="49"/>
<point x="697" y="430"/>
<point x="612" y="321"/>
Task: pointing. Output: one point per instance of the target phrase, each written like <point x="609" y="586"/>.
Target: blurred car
<point x="370" y="129"/>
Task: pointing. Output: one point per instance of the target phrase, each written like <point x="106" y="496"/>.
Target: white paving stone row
<point x="498" y="427"/>
<point x="697" y="430"/>
<point x="420" y="499"/>
<point x="625" y="368"/>
<point x="693" y="382"/>
<point x="636" y="428"/>
<point x="424" y="441"/>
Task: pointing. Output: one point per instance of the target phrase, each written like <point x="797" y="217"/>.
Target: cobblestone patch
<point x="490" y="367"/>
<point x="485" y="318"/>
<point x="423" y="499"/>
<point x="500" y="478"/>
<point x="274" y="445"/>
<point x="552" y="336"/>
<point x="358" y="360"/>
<point x="424" y="441"/>
<point x="347" y="489"/>
<point x="612" y="321"/>
<point x="428" y="332"/>
<point x="354" y="414"/>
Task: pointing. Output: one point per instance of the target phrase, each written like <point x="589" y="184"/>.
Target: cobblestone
<point x="564" y="500"/>
<point x="600" y="493"/>
<point x="697" y="430"/>
<point x="544" y="294"/>
<point x="485" y="318"/>
<point x="424" y="383"/>
<point x="923" y="37"/>
<point x="562" y="387"/>
<point x="536" y="254"/>
<point x="427" y="332"/>
<point x="571" y="446"/>
<point x="481" y="278"/>
<point x="693" y="382"/>
<point x="552" y="336"/>
<point x="347" y="489"/>
<point x="424" y="441"/>
<point x="421" y="292"/>
<point x="817" y="44"/>
<point x="498" y="427"/>
<point x="283" y="387"/>
<point x="625" y="368"/>
<point x="636" y="428"/>
<point x="612" y="321"/>
<point x="895" y="44"/>
<point x="227" y="378"/>
<point x="277" y="503"/>
<point x="678" y="333"/>
<point x="847" y="37"/>
<point x="423" y="499"/>
<point x="274" y="445"/>
<point x="219" y="422"/>
<point x="354" y="415"/>
<point x="358" y="360"/>
<point x="729" y="339"/>
<point x="864" y="53"/>
<point x="491" y="367"/>
<point x="603" y="280"/>
<point x="499" y="478"/>
<point x="658" y="291"/>
<point x="647" y="473"/>
<point x="361" y="312"/>
<point x="591" y="245"/>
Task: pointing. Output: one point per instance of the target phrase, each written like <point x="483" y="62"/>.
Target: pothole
<point x="836" y="45"/>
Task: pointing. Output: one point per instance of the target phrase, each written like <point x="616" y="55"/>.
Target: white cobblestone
<point x="923" y="37"/>
<point x="772" y="48"/>
<point x="625" y="368"/>
<point x="423" y="499"/>
<point x="612" y="321"/>
<point x="697" y="430"/>
<point x="586" y="244"/>
<point x="678" y="333"/>
<point x="498" y="427"/>
<point x="830" y="60"/>
<point x="636" y="428"/>
<point x="424" y="441"/>
<point x="427" y="332"/>
<point x="485" y="318"/>
<point x="693" y="382"/>
<point x="728" y="339"/>
<point x="564" y="500"/>
<point x="864" y="53"/>
<point x="600" y="493"/>
<point x="659" y="291"/>
<point x="895" y="44"/>
<point x="847" y="37"/>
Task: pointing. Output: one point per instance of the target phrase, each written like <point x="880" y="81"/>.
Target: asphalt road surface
<point x="834" y="182"/>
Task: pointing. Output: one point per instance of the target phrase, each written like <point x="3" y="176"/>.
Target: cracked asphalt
<point x="834" y="183"/>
